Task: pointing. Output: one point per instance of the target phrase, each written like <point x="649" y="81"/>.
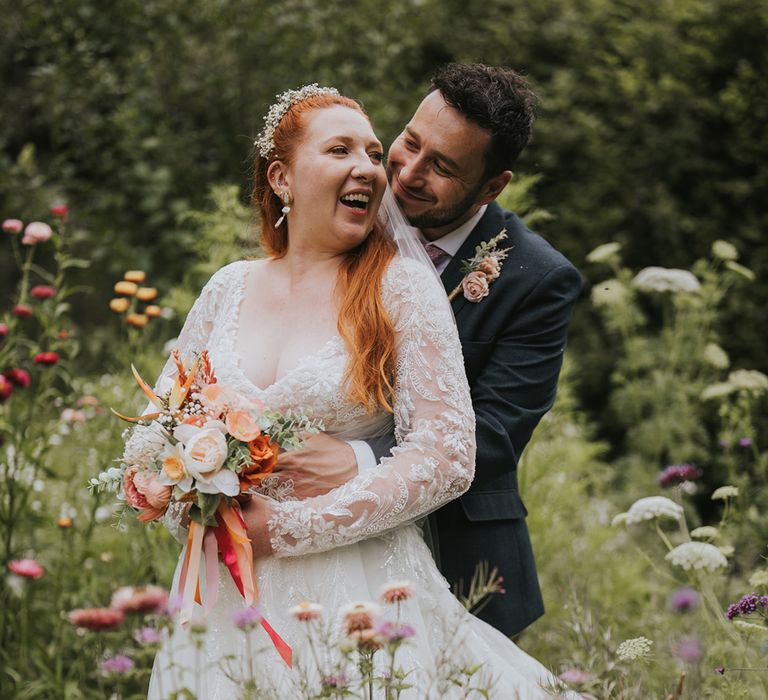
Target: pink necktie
<point x="436" y="254"/>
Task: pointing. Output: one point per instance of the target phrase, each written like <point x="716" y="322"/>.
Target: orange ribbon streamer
<point x="230" y="539"/>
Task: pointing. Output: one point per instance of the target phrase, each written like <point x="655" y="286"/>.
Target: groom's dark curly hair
<point x="497" y="99"/>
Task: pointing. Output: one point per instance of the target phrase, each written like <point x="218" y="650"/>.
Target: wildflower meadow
<point x="124" y="184"/>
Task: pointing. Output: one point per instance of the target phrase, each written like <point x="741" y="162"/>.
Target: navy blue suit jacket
<point x="513" y="342"/>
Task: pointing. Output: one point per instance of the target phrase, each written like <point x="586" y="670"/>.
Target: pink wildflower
<point x="42" y="291"/>
<point x="142" y="599"/>
<point x="13" y="225"/>
<point x="396" y="592"/>
<point x="97" y="618"/>
<point x="36" y="232"/>
<point x="27" y="568"/>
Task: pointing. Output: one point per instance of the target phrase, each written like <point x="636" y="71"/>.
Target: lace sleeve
<point x="433" y="461"/>
<point x="144" y="442"/>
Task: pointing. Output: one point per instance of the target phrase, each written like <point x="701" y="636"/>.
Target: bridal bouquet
<point x="209" y="446"/>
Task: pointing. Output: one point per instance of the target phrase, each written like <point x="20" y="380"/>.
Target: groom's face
<point x="436" y="167"/>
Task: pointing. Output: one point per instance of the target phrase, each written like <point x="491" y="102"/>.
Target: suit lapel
<point x="489" y="226"/>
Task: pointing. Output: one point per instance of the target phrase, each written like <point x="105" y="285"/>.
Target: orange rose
<point x="263" y="460"/>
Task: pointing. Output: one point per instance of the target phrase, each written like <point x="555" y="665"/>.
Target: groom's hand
<point x="322" y="464"/>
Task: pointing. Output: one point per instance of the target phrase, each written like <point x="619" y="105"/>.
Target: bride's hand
<point x="256" y="514"/>
<point x="322" y="464"/>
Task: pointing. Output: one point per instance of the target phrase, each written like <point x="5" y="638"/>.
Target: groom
<point x="446" y="169"/>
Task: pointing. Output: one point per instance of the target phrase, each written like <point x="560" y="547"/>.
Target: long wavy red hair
<point x="363" y="322"/>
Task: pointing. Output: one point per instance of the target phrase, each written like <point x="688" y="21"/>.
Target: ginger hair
<point x="363" y="321"/>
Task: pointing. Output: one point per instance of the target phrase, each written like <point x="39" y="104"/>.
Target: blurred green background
<point x="652" y="118"/>
<point x="652" y="132"/>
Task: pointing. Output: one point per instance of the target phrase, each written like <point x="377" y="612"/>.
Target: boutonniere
<point x="481" y="269"/>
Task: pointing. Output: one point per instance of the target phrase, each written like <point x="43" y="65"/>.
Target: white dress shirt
<point x="450" y="244"/>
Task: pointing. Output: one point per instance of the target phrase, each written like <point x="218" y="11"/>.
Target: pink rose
<point x="3" y="330"/>
<point x="36" y="232"/>
<point x="28" y="568"/>
<point x="157" y="495"/>
<point x="475" y="286"/>
<point x="134" y="483"/>
<point x="60" y="210"/>
<point x="242" y="426"/>
<point x="13" y="225"/>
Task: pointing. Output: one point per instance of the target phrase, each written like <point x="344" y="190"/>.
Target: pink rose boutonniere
<point x="481" y="269"/>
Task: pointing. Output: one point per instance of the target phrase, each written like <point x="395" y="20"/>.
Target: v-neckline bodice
<point x="233" y="331"/>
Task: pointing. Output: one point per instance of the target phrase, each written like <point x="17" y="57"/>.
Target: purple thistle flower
<point x="173" y="605"/>
<point x="745" y="442"/>
<point x="394" y="633"/>
<point x="687" y="650"/>
<point x="338" y="681"/>
<point x="683" y="599"/>
<point x="677" y="474"/>
<point x="148" y="635"/>
<point x="746" y="606"/>
<point x="246" y="618"/>
<point x="575" y="675"/>
<point x="120" y="663"/>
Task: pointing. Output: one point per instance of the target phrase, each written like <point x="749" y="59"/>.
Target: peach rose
<point x="242" y="426"/>
<point x="490" y="267"/>
<point x="263" y="460"/>
<point x="475" y="286"/>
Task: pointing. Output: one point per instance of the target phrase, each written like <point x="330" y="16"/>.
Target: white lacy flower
<point x="724" y="493"/>
<point x="717" y="391"/>
<point x="633" y="649"/>
<point x="653" y="507"/>
<point x="609" y="293"/>
<point x="666" y="279"/>
<point x="740" y="270"/>
<point x="750" y="626"/>
<point x="749" y="380"/>
<point x="705" y="532"/>
<point x="697" y="555"/>
<point x="727" y="550"/>
<point x="716" y="356"/>
<point x="759" y="579"/>
<point x="620" y="519"/>
<point x="604" y="252"/>
<point x="724" y="250"/>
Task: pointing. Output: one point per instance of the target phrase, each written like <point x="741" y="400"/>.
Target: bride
<point x="342" y="318"/>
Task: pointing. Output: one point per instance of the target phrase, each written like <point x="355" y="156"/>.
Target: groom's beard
<point x="437" y="217"/>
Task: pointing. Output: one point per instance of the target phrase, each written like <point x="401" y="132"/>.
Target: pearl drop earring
<point x="286" y="208"/>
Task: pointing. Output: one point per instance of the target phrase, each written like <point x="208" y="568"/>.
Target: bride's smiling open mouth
<point x="357" y="201"/>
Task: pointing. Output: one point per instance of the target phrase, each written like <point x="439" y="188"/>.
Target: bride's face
<point x="336" y="178"/>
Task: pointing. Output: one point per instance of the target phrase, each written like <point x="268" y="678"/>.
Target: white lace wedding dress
<point x="343" y="547"/>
